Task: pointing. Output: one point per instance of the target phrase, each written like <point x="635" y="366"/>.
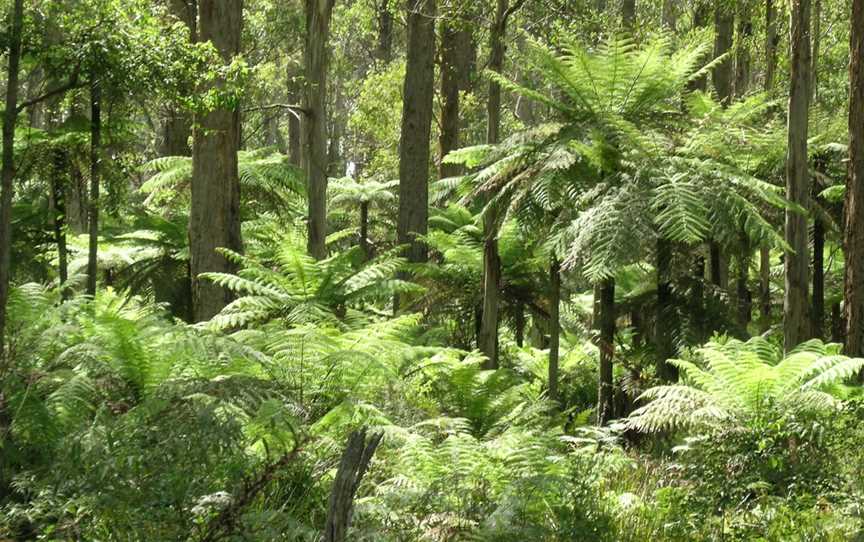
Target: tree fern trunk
<point x="628" y="15"/>
<point x="607" y="351"/>
<point x="742" y="52"/>
<point x="488" y="339"/>
<point x="519" y="324"/>
<point x="745" y="304"/>
<point x="364" y="230"/>
<point x="796" y="261"/>
<point x="58" y="198"/>
<point x="853" y="230"/>
<point x="95" y="172"/>
<point x="722" y="73"/>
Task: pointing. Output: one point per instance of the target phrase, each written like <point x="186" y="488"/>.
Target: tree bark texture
<point x="95" y="179"/>
<point x="214" y="218"/>
<point x="416" y="129"/>
<point x="352" y="467"/>
<point x="772" y="42"/>
<point x="554" y="325"/>
<point x="665" y="318"/>
<point x="742" y="52"/>
<point x="796" y="261"/>
<point x="724" y="20"/>
<point x="607" y="351"/>
<point x="853" y="230"/>
<point x="456" y="46"/>
<point x="314" y="124"/>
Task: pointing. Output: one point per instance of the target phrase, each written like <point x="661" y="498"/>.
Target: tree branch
<point x="72" y="83"/>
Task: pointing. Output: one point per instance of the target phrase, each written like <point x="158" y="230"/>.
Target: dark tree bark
<point x="628" y="15"/>
<point x="95" y="179"/>
<point x="669" y="15"/>
<point x="814" y="66"/>
<point x="314" y="124"/>
<point x="817" y="309"/>
<point x="491" y="261"/>
<point x="664" y="318"/>
<point x="519" y="324"/>
<point x="456" y="45"/>
<point x="295" y="95"/>
<point x="745" y="301"/>
<point x="853" y="229"/>
<point x="722" y="73"/>
<point x="554" y="325"/>
<point x="177" y="127"/>
<point x="697" y="297"/>
<point x="772" y="41"/>
<point x="58" y="201"/>
<point x="384" y="47"/>
<point x="742" y="53"/>
<point x="764" y="287"/>
<point x="607" y="351"/>
<point x="796" y="261"/>
<point x="352" y="467"/>
<point x="7" y="173"/>
<point x="701" y="15"/>
<point x="214" y="218"/>
<point x="416" y="129"/>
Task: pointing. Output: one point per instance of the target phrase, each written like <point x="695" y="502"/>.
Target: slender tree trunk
<point x="764" y="287"/>
<point x="488" y="342"/>
<point x="58" y="198"/>
<point x="314" y="139"/>
<point x="607" y="351"/>
<point x="455" y="62"/>
<point x="796" y="262"/>
<point x="745" y="303"/>
<point x="665" y="318"/>
<point x="853" y="229"/>
<point x="628" y="15"/>
<point x="364" y="230"/>
<point x="295" y="135"/>
<point x="384" y="47"/>
<point x="214" y="218"/>
<point x="95" y="178"/>
<point x="697" y="298"/>
<point x="491" y="261"/>
<point x="701" y="15"/>
<point x="814" y="67"/>
<point x="519" y="324"/>
<point x="772" y="41"/>
<point x="817" y="309"/>
<point x="669" y="15"/>
<point x="724" y="20"/>
<point x="554" y="325"/>
<point x="7" y="175"/>
<point x="416" y="129"/>
<point x="742" y="52"/>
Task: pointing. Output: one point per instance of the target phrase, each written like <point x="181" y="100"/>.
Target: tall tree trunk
<point x="95" y="178"/>
<point x="416" y="129"/>
<point x="384" y="47"/>
<point x="628" y="15"/>
<point x="745" y="303"/>
<point x="764" y="287"/>
<point x="455" y="62"/>
<point x="177" y="127"/>
<point x="796" y="262"/>
<point x="58" y="199"/>
<point x="7" y="175"/>
<point x="814" y="66"/>
<point x="364" y="230"/>
<point x="701" y="15"/>
<point x="295" y="96"/>
<point x="669" y="15"/>
<point x="853" y="228"/>
<point x="314" y="139"/>
<point x="607" y="351"/>
<point x="722" y="74"/>
<point x="697" y="298"/>
<point x="817" y="310"/>
<point x="742" y="52"/>
<point x="214" y="217"/>
<point x="772" y="41"/>
<point x="554" y="325"/>
<point x="664" y="317"/>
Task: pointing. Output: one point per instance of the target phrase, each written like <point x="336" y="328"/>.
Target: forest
<point x="432" y="270"/>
